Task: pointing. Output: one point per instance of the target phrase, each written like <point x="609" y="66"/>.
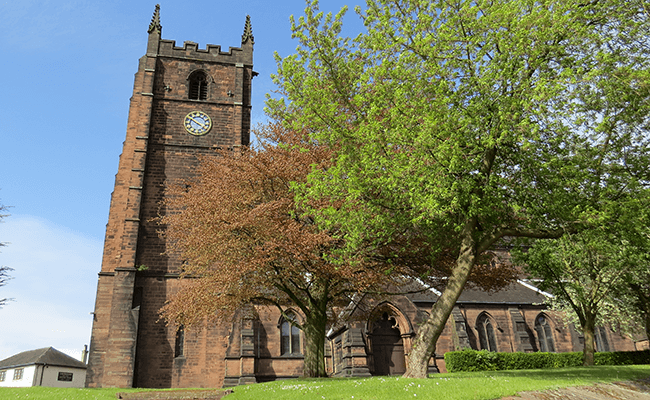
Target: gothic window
<point x="198" y="86"/>
<point x="544" y="334"/>
<point x="180" y="342"/>
<point x="601" y="339"/>
<point x="290" y="336"/>
<point x="486" y="335"/>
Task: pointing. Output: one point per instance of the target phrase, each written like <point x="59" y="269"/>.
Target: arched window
<point x="198" y="86"/>
<point x="180" y="342"/>
<point x="486" y="335"/>
<point x="602" y="344"/>
<point x="544" y="334"/>
<point x="290" y="336"/>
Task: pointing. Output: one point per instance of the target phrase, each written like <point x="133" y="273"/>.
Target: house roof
<point x="44" y="356"/>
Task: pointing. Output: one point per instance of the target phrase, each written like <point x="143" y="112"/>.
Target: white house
<point x="42" y="367"/>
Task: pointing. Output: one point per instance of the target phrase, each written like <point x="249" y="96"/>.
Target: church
<point x="187" y="102"/>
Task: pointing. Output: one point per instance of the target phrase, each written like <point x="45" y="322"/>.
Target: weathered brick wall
<point x="272" y="364"/>
<point x="138" y="274"/>
<point x="173" y="155"/>
<point x="111" y="361"/>
<point x="505" y="328"/>
<point x="504" y="323"/>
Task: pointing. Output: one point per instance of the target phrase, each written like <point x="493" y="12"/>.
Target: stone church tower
<point x="186" y="103"/>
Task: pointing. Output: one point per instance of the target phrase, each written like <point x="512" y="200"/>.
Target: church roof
<point x="44" y="356"/>
<point x="519" y="293"/>
<point x="515" y="293"/>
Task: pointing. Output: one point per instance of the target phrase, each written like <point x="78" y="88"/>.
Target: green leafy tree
<point x="635" y="296"/>
<point x="468" y="122"/>
<point x="588" y="272"/>
<point x="631" y="307"/>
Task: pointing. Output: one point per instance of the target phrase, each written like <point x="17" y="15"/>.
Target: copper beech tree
<point x="246" y="241"/>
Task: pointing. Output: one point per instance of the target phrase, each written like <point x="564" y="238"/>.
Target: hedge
<point x="483" y="360"/>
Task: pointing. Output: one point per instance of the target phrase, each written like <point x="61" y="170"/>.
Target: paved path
<point x="629" y="390"/>
<point x="206" y="394"/>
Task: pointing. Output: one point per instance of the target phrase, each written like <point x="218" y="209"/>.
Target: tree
<point x="471" y="121"/>
<point x="589" y="271"/>
<point x="631" y="307"/>
<point x="635" y="298"/>
<point x="245" y="240"/>
<point x="4" y="271"/>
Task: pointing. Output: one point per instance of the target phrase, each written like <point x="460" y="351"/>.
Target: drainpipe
<point x="35" y="375"/>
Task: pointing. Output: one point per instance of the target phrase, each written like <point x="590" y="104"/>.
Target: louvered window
<point x="198" y="86"/>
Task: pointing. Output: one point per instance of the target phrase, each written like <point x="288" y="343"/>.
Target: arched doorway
<point x="387" y="346"/>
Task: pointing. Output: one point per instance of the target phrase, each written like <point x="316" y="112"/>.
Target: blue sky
<point x="67" y="76"/>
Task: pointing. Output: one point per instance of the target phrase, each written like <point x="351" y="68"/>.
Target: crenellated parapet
<point x="212" y="53"/>
<point x="157" y="46"/>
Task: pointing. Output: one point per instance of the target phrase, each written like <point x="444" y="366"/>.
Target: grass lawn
<point x="455" y="386"/>
<point x="48" y="393"/>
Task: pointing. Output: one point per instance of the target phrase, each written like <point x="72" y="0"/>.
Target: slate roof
<point x="44" y="356"/>
<point x="516" y="293"/>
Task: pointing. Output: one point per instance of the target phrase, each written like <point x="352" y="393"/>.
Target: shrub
<point x="483" y="360"/>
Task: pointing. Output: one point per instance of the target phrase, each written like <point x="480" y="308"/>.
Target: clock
<point x="197" y="123"/>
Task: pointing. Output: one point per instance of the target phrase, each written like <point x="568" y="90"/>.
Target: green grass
<point x="454" y="386"/>
<point x="49" y="393"/>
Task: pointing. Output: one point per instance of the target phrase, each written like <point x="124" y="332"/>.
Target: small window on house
<point x="486" y="334"/>
<point x="290" y="336"/>
<point x="544" y="334"/>
<point x="180" y="342"/>
<point x="18" y="374"/>
<point x="198" y="86"/>
<point x="64" y="377"/>
<point x="3" y="376"/>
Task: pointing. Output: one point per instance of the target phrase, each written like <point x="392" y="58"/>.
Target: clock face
<point x="197" y="123"/>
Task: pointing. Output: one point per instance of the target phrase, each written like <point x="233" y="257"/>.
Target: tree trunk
<point x="424" y="345"/>
<point x="314" y="332"/>
<point x="588" y="332"/>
